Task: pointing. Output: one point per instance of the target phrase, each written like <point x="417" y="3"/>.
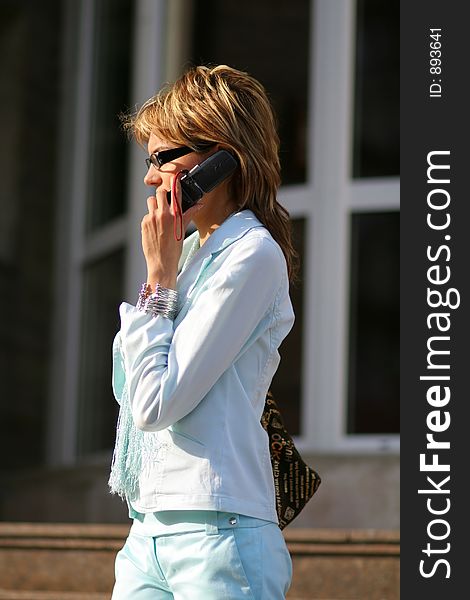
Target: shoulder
<point x="260" y="254"/>
<point x="259" y="241"/>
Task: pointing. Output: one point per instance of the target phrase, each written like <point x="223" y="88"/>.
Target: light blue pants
<point x="210" y="556"/>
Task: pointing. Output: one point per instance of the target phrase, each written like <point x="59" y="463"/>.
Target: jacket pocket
<point x="186" y="466"/>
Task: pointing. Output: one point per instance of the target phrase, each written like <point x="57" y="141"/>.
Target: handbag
<point x="294" y="481"/>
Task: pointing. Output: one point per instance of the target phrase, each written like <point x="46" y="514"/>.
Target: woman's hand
<point x="161" y="250"/>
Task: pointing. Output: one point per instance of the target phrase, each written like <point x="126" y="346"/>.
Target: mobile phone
<point x="204" y="177"/>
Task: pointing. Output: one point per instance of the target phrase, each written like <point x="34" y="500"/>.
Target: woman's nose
<point x="152" y="177"/>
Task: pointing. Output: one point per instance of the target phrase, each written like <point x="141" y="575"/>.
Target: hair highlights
<point x="229" y="107"/>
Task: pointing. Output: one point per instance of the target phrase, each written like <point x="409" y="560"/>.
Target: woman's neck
<point x="215" y="210"/>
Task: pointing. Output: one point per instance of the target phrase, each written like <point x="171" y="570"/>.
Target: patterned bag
<point x="294" y="481"/>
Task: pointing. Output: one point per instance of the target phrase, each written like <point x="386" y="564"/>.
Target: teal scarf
<point x="134" y="449"/>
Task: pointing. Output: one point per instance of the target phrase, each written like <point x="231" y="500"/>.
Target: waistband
<point x="178" y="521"/>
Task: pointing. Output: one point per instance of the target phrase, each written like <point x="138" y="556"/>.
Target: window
<point x="101" y="295"/>
<point x="234" y="32"/>
<point x="110" y="88"/>
<point x="373" y="388"/>
<point x="373" y="350"/>
<point x="102" y="274"/>
<point x="377" y="89"/>
<point x="287" y="382"/>
<point x="91" y="251"/>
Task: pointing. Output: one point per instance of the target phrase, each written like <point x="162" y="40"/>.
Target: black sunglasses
<point x="157" y="159"/>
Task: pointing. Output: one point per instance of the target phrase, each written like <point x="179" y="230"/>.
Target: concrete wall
<point x="358" y="492"/>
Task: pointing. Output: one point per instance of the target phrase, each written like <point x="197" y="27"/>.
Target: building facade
<point x="73" y="198"/>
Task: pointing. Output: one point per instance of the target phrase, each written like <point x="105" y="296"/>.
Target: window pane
<point x="270" y="40"/>
<point x="377" y="102"/>
<point x="373" y="400"/>
<point x="110" y="88"/>
<point x="102" y="294"/>
<point x="287" y="382"/>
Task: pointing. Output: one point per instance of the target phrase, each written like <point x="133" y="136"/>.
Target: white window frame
<point x="326" y="201"/>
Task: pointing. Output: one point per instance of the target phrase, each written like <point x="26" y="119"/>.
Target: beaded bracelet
<point x="164" y="301"/>
<point x="143" y="294"/>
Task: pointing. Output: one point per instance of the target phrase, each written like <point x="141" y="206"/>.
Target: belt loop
<point x="211" y="522"/>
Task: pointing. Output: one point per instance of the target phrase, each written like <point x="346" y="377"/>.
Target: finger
<point x="151" y="203"/>
<point x="162" y="201"/>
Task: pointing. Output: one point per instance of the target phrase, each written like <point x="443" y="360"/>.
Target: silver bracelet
<point x="164" y="301"/>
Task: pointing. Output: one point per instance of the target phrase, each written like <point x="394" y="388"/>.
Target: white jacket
<point x="199" y="382"/>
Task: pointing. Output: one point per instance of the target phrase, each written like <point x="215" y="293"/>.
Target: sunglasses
<point x="158" y="159"/>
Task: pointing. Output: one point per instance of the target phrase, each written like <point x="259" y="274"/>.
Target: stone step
<point x="57" y="561"/>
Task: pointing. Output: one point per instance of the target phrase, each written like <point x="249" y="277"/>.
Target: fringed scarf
<point x="134" y="449"/>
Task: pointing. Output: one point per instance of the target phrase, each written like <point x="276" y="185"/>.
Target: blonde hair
<point x="229" y="107"/>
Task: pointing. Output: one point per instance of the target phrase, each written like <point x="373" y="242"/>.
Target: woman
<point x="194" y="358"/>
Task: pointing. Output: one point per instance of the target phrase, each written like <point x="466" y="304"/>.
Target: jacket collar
<point x="231" y="230"/>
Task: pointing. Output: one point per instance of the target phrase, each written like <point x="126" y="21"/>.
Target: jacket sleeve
<point x="119" y="374"/>
<point x="169" y="371"/>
